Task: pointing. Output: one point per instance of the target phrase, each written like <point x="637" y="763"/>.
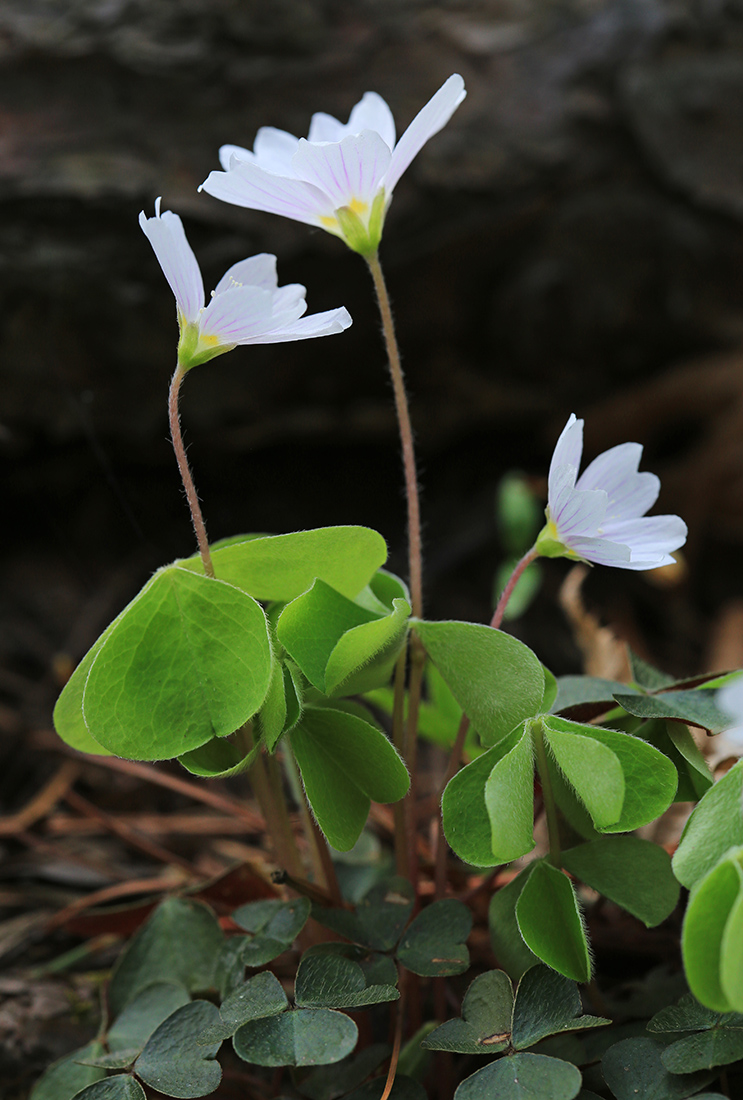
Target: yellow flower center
<point x="356" y="206"/>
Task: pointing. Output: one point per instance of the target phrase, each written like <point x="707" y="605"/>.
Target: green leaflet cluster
<point x="291" y="626"/>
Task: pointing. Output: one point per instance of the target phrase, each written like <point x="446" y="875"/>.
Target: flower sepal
<point x="359" y="237"/>
<point x="194" y="348"/>
<point x="549" y="546"/>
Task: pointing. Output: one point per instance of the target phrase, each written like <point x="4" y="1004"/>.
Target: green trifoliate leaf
<point x="650" y="778"/>
<point x="633" y="1068"/>
<point x="155" y="953"/>
<point x="271" y="719"/>
<point x="329" y="1083"/>
<point x="262" y="995"/>
<point x="434" y="944"/>
<point x="715" y="826"/>
<point x="380" y="916"/>
<point x="547" y="1003"/>
<point x="173" y="1063"/>
<point x="274" y="925"/>
<point x="365" y="656"/>
<point x="510" y="950"/>
<point x="676" y="742"/>
<point x="509" y="801"/>
<point x="281" y="567"/>
<point x="629" y="871"/>
<point x="220" y="758"/>
<point x="465" y="817"/>
<point x="301" y="1037"/>
<point x="377" y="969"/>
<point x="711" y="1039"/>
<point x="120" y="1087"/>
<point x="646" y="675"/>
<point x="485" y="1024"/>
<point x="188" y="660"/>
<point x="550" y="922"/>
<point x="712" y="936"/>
<point x="345" y="763"/>
<point x="577" y="691"/>
<point x="592" y="770"/>
<point x="522" y="1077"/>
<point x="496" y="679"/>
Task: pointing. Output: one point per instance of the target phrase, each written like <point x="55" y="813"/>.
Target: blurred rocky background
<point x="571" y="242"/>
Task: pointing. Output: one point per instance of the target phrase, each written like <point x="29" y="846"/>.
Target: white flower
<point x="247" y="306"/>
<point x="341" y="177"/>
<point x="730" y="699"/>
<point x="600" y="517"/>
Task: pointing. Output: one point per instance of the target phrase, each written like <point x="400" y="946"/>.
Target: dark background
<point x="570" y="242"/>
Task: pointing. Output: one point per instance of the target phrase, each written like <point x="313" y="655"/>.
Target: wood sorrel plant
<point x="262" y="649"/>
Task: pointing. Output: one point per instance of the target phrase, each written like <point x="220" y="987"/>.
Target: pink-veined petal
<point x="630" y="493"/>
<point x="373" y="113"/>
<point x="562" y="484"/>
<point x="601" y="552"/>
<point x="180" y="267"/>
<point x="257" y="270"/>
<point x="429" y="120"/>
<point x="649" y="536"/>
<point x="306" y="328"/>
<point x="236" y="316"/>
<point x="273" y="150"/>
<point x="230" y="153"/>
<point x="567" y="452"/>
<point x="344" y="170"/>
<point x="246" y="184"/>
<point x="326" y="128"/>
<point x="580" y="515"/>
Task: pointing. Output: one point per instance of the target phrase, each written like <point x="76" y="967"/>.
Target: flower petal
<point x="602" y="552"/>
<point x="730" y="699"/>
<point x="228" y="152"/>
<point x="345" y="170"/>
<point x="326" y="128"/>
<point x="429" y="120"/>
<point x="290" y="298"/>
<point x="247" y="184"/>
<point x="180" y="267"/>
<point x="581" y="515"/>
<point x="273" y="150"/>
<point x="373" y="113"/>
<point x="630" y="493"/>
<point x="568" y="450"/>
<point x="649" y="538"/>
<point x="236" y="316"/>
<point x="257" y="270"/>
<point x="317" y="324"/>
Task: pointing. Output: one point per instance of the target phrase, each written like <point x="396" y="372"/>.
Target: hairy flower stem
<point x="180" y="454"/>
<point x="455" y="757"/>
<point x="550" y="806"/>
<point x="415" y="567"/>
<point x="398" y="739"/>
<point x="406" y="437"/>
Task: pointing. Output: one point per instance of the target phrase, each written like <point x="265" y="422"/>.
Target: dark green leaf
<point x="155" y="954"/>
<point x="550" y="922"/>
<point x="345" y="763"/>
<point x="573" y="691"/>
<point x="644" y="674"/>
<point x="332" y="981"/>
<point x="188" y="660"/>
<point x="262" y="995"/>
<point x="715" y="826"/>
<point x="522" y="1077"/>
<point x="378" y="969"/>
<point x="274" y="924"/>
<point x="65" y="1078"/>
<point x="153" y="1004"/>
<point x="465" y="816"/>
<point x="511" y="952"/>
<point x="301" y="1037"/>
<point x="633" y="1070"/>
<point x="383" y="912"/>
<point x="704" y="1050"/>
<point x="328" y="1084"/>
<point x="120" y="1059"/>
<point x="173" y="1062"/>
<point x="689" y="1015"/>
<point x="629" y="871"/>
<point x="434" y="945"/>
<point x="547" y="1003"/>
<point x="120" y="1087"/>
<point x="496" y="679"/>
<point x="698" y="708"/>
<point x="485" y="1024"/>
